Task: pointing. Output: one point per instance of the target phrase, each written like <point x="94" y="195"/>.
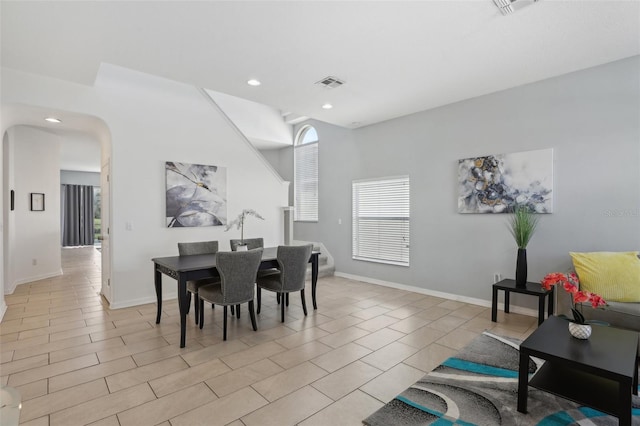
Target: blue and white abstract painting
<point x="497" y="183"/>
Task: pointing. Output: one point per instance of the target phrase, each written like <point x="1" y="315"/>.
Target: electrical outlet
<point x="497" y="277"/>
<point x="34" y="262"/>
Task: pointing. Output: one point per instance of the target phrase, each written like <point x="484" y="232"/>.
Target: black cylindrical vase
<point x="521" y="268"/>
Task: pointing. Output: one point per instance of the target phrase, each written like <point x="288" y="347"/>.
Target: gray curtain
<point x="77" y="215"/>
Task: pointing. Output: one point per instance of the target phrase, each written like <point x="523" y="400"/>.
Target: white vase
<point x="580" y="331"/>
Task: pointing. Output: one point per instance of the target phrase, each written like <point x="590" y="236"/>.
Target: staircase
<point x="326" y="266"/>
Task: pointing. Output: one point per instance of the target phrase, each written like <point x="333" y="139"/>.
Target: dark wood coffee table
<point x="600" y="372"/>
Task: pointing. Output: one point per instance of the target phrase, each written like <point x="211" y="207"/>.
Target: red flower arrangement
<point x="570" y="284"/>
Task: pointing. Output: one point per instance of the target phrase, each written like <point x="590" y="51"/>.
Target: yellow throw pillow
<point x="615" y="276"/>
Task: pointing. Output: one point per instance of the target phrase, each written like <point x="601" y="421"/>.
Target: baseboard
<point x="3" y="308"/>
<point x="449" y="296"/>
<point x="141" y="301"/>
<point x="27" y="280"/>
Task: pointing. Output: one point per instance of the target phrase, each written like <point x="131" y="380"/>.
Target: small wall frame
<point x="37" y="202"/>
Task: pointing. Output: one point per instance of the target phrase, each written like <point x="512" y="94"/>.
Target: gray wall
<point x="70" y="177"/>
<point x="282" y="161"/>
<point x="590" y="118"/>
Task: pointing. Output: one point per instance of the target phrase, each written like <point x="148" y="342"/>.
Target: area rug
<point x="479" y="386"/>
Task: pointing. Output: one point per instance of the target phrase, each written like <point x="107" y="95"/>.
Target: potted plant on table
<point x="522" y="225"/>
<point x="579" y="327"/>
<point x="239" y="223"/>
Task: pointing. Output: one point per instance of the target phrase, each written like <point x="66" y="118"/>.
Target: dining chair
<point x="195" y="248"/>
<point x="237" y="283"/>
<point x="291" y="275"/>
<point x="251" y="243"/>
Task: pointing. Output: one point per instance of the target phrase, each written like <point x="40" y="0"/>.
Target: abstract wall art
<point x="497" y="183"/>
<point x="196" y="195"/>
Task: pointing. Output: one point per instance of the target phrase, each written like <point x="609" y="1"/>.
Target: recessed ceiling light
<point x="53" y="120"/>
<point x="327" y="106"/>
<point x="254" y="82"/>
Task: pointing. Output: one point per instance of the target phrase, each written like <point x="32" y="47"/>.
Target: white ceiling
<point x="397" y="57"/>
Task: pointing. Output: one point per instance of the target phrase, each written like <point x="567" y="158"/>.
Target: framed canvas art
<point x="196" y="195"/>
<point x="497" y="183"/>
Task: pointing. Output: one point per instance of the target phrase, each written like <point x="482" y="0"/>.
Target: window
<point x="306" y="175"/>
<point x="381" y="220"/>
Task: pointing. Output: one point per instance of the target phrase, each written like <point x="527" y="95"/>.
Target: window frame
<point x="309" y="148"/>
<point x="387" y="210"/>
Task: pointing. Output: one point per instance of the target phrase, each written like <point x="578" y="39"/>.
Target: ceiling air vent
<point x="330" y="82"/>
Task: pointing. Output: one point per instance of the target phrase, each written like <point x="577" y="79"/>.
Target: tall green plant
<point x="522" y="224"/>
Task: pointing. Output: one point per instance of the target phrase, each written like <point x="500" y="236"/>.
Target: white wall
<point x="590" y="118"/>
<point x="150" y="121"/>
<point x="36" y="237"/>
<point x="8" y="218"/>
<point x="263" y="125"/>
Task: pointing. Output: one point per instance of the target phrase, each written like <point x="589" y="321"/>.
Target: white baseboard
<point x="3" y="308"/>
<point x="141" y="301"/>
<point x="12" y="287"/>
<point x="449" y="296"/>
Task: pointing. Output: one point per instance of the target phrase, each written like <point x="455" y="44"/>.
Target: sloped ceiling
<point x="397" y="57"/>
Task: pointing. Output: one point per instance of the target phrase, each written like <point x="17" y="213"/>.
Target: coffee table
<point x="600" y="372"/>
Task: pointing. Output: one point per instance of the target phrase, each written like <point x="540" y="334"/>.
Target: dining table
<point x="202" y="266"/>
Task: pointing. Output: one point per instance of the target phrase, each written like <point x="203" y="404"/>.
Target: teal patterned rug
<point x="479" y="386"/>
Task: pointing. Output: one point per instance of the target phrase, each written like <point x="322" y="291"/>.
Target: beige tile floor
<point x="77" y="362"/>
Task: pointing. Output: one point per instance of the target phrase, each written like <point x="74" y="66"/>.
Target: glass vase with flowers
<point x="239" y="223"/>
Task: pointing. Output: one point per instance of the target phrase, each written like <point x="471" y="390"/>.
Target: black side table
<point x="533" y="289"/>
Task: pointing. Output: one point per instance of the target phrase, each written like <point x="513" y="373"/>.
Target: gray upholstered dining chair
<point x="292" y="265"/>
<point x="195" y="248"/>
<point x="237" y="283"/>
<point x="251" y="243"/>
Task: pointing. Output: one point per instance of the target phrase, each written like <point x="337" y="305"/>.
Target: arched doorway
<point x="27" y="124"/>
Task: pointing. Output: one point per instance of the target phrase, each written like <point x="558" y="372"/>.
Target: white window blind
<point x="381" y="220"/>
<point x="306" y="182"/>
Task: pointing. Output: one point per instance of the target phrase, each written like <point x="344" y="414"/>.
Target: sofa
<point x="616" y="277"/>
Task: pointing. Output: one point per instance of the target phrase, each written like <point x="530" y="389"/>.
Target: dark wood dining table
<point x="196" y="267"/>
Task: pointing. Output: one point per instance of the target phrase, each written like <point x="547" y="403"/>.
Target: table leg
<point x="551" y="297"/>
<point x="494" y="304"/>
<point x="541" y="309"/>
<point x="314" y="279"/>
<point x="183" y="306"/>
<point x="158" y="283"/>
<point x="523" y="381"/>
<point x="634" y="385"/>
<point x="506" y="301"/>
<point x="624" y="398"/>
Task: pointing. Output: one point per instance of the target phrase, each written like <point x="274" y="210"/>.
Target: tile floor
<point x="77" y="362"/>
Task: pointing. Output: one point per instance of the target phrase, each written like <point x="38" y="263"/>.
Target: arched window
<point x="306" y="175"/>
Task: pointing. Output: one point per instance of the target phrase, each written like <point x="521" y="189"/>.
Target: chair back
<point x="293" y="261"/>
<point x="200" y="247"/>
<point x="251" y="243"/>
<point x="238" y="271"/>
